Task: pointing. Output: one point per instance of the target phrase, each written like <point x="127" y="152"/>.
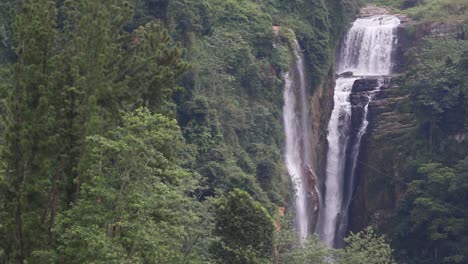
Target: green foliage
<point x="342" y="12"/>
<point x="69" y="82"/>
<point x="288" y="249"/>
<point x="366" y="247"/>
<point x="230" y="110"/>
<point x="135" y="208"/>
<point x="439" y="10"/>
<point x="314" y="31"/>
<point x="395" y="4"/>
<point x="187" y="17"/>
<point x="7" y="9"/>
<point x="428" y="10"/>
<point x="430" y="215"/>
<point x="438" y="86"/>
<point x="152" y="66"/>
<point x="428" y="226"/>
<point x="84" y="179"/>
<point x="233" y="94"/>
<point x="24" y="186"/>
<point x="245" y="229"/>
<point x="363" y="247"/>
<point x="145" y="10"/>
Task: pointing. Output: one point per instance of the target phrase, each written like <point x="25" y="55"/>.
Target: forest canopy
<point x="150" y="131"/>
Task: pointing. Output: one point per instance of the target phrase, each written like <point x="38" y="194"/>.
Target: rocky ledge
<point x="373" y="10"/>
<point x="365" y="85"/>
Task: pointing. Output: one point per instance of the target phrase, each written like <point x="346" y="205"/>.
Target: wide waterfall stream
<point x="366" y="51"/>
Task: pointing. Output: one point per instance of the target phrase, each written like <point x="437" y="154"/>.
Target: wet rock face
<point x="312" y="191"/>
<point x="359" y="98"/>
<point x="321" y="105"/>
<point x="364" y="85"/>
<point x="358" y="102"/>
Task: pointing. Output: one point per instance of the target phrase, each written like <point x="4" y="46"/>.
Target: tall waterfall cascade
<point x="298" y="149"/>
<point x="365" y="51"/>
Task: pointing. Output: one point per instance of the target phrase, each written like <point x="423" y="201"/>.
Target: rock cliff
<point x="321" y="105"/>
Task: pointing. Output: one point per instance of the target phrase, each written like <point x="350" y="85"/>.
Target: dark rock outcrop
<point x="346" y="74"/>
<point x="312" y="192"/>
<point x="321" y="105"/>
<point x="365" y="85"/>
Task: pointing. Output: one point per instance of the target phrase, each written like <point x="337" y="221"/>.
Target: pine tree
<point x="153" y="66"/>
<point x="35" y="33"/>
<point x="71" y="80"/>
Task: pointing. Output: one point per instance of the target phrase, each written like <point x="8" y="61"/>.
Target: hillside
<point x="203" y="131"/>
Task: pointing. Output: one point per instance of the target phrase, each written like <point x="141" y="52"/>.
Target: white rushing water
<point x="368" y="46"/>
<point x="366" y="51"/>
<point x="297" y="128"/>
<point x="338" y="136"/>
<point x="353" y="158"/>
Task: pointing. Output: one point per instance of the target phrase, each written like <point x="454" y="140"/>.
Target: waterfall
<point x="368" y="45"/>
<point x="297" y="127"/>
<point x="338" y="136"/>
<point x="366" y="51"/>
<point x="353" y="158"/>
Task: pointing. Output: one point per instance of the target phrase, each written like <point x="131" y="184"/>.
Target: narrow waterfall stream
<point x="366" y="51"/>
<point x="297" y="130"/>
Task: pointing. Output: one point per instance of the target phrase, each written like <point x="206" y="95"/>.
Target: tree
<point x="70" y="82"/>
<point x="245" y="230"/>
<point x="429" y="226"/>
<point x="289" y="250"/>
<point x="429" y="218"/>
<point x="135" y="208"/>
<point x="7" y="53"/>
<point x="438" y="90"/>
<point x="23" y="185"/>
<point x="366" y="247"/>
<point x="363" y="247"/>
<point x="152" y="67"/>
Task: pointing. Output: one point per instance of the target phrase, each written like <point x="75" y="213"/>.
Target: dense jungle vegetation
<point x="429" y="10"/>
<point x="430" y="158"/>
<point x="433" y="210"/>
<point x="149" y="131"/>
